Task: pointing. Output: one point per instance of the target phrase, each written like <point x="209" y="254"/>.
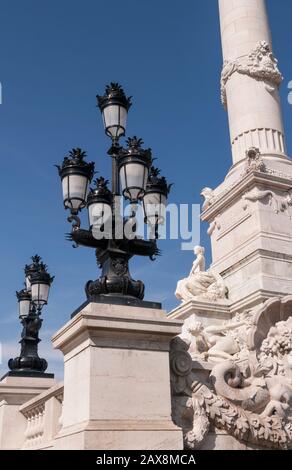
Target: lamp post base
<point x="115" y="286"/>
<point x="115" y="280"/>
<point x="33" y="363"/>
<point x="118" y="300"/>
<point x="28" y="373"/>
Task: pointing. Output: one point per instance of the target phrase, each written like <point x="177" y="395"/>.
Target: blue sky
<point x="54" y="57"/>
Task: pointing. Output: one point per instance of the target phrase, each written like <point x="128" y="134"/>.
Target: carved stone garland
<point x="259" y="64"/>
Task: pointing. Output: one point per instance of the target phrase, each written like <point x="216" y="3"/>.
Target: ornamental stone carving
<point x="254" y="161"/>
<point x="279" y="174"/>
<point x="201" y="284"/>
<point x="278" y="203"/>
<point x="237" y="378"/>
<point x="256" y="195"/>
<point x="286" y="203"/>
<point x="259" y="64"/>
<point x="213" y="226"/>
<point x="217" y="342"/>
<point x="209" y="198"/>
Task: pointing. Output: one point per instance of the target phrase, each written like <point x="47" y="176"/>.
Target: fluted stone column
<point x="250" y="79"/>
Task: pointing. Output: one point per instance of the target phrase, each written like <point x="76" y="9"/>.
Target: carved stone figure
<point x="249" y="396"/>
<point x="259" y="64"/>
<point x="208" y="195"/>
<point x="200" y="283"/>
<point x="216" y="343"/>
<point x="254" y="161"/>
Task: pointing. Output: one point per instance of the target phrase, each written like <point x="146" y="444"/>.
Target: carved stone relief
<point x="278" y="203"/>
<point x="259" y="64"/>
<point x="237" y="377"/>
<point x="255" y="161"/>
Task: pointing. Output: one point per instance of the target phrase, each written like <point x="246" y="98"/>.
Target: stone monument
<point x="231" y="367"/>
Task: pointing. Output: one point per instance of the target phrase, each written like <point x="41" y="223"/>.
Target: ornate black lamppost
<point x="133" y="178"/>
<point x="31" y="300"/>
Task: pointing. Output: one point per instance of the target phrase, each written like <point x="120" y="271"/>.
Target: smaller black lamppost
<point x="31" y="301"/>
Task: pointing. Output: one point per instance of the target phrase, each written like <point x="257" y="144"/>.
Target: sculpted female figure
<point x="200" y="282"/>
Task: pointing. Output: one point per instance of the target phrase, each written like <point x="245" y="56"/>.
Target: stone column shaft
<point x="250" y="79"/>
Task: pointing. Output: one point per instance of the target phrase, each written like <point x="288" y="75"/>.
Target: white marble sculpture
<point x="255" y="161"/>
<point x="207" y="285"/>
<point x="209" y="198"/>
<point x="259" y="64"/>
<point x="247" y="391"/>
<point x="217" y="342"/>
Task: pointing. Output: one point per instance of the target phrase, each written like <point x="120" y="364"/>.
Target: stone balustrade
<point x="43" y="415"/>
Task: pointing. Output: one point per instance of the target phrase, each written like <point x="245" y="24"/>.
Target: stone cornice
<point x="220" y="309"/>
<point x="116" y="320"/>
<point x="237" y="189"/>
<point x="256" y="254"/>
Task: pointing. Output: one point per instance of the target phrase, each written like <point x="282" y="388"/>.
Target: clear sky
<point x="54" y="57"/>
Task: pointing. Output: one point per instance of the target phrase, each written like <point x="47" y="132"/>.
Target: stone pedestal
<point x="116" y="379"/>
<point x="208" y="313"/>
<point x="251" y="243"/>
<point x="14" y="391"/>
